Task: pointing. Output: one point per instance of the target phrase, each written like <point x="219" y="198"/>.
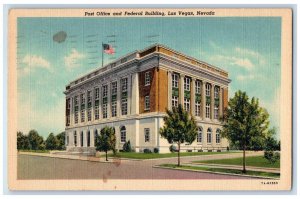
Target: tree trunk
<point x="106" y="155"/>
<point x="244" y="159"/>
<point x="178" y="154"/>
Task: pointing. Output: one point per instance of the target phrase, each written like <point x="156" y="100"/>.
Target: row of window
<point x="122" y="136"/>
<point x="187" y="99"/>
<point x="114" y="90"/>
<point x="208" y="136"/>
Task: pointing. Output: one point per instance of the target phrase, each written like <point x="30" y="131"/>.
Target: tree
<point x="51" y="142"/>
<point x="179" y="127"/>
<point x="127" y="146"/>
<point x="61" y="141"/>
<point x="271" y="145"/>
<point x="106" y="140"/>
<point x="35" y="140"/>
<point x="245" y="124"/>
<point x="22" y="141"/>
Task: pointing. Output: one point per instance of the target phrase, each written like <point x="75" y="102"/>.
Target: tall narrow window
<point x="114" y="88"/>
<point x="218" y="138"/>
<point x="175" y="79"/>
<point x="174" y="101"/>
<point x="147" y="78"/>
<point x="97" y="96"/>
<point x="187" y="94"/>
<point x="197" y="108"/>
<point x="187" y="104"/>
<point x="114" y="108"/>
<point x="88" y="138"/>
<point x="197" y="87"/>
<point x="217" y="101"/>
<point x="124" y="106"/>
<point x="199" y="135"/>
<point x="147" y="134"/>
<point x="89" y="111"/>
<point x="104" y="111"/>
<point x="95" y="136"/>
<point x="147" y="102"/>
<point x="104" y="101"/>
<point x="124" y="96"/>
<point x="75" y="138"/>
<point x="82" y="108"/>
<point x="123" y="134"/>
<point x="207" y="105"/>
<point x="187" y="84"/>
<point x="81" y="139"/>
<point x="207" y="110"/>
<point x="209" y="136"/>
<point x="124" y="83"/>
<point x="76" y="109"/>
<point x="207" y="90"/>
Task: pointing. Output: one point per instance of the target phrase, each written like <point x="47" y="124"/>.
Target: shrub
<point x="173" y="148"/>
<point x="156" y="150"/>
<point x="127" y="146"/>
<point x="271" y="156"/>
<point x="147" y="151"/>
<point x="227" y="148"/>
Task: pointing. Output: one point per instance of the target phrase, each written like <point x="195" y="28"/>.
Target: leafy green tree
<point x="245" y="124"/>
<point x="271" y="145"/>
<point x="179" y="127"/>
<point x="106" y="141"/>
<point x="127" y="146"/>
<point x="22" y="141"/>
<point x="35" y="140"/>
<point x="51" y="142"/>
<point x="61" y="141"/>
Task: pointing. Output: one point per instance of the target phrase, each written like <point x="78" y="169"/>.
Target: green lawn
<point x="134" y="155"/>
<point x="35" y="151"/>
<point x="257" y="161"/>
<point x="229" y="171"/>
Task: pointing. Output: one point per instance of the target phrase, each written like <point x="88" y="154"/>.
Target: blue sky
<point x="248" y="48"/>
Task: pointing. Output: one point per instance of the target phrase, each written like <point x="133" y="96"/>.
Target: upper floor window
<point x="113" y="88"/>
<point x="207" y="89"/>
<point x="124" y="84"/>
<point x="217" y="91"/>
<point x="175" y="79"/>
<point x="82" y="98"/>
<point x="187" y="83"/>
<point x="104" y="91"/>
<point x="76" y="100"/>
<point x="198" y="87"/>
<point x="147" y="102"/>
<point x="96" y="93"/>
<point x="89" y="96"/>
<point x="147" y="78"/>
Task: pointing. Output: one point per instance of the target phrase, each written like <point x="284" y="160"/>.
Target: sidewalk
<point x="227" y="166"/>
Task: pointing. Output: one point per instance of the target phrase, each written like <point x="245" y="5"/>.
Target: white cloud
<point x="232" y="60"/>
<point x="32" y="62"/>
<point x="72" y="58"/>
<point x="250" y="53"/>
<point x="245" y="77"/>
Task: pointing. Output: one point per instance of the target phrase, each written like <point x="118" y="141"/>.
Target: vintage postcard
<point x="150" y="99"/>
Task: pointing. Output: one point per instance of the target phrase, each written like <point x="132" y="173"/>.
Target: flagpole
<point x="102" y="53"/>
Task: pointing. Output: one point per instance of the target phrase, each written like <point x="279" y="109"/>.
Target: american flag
<point x="108" y="49"/>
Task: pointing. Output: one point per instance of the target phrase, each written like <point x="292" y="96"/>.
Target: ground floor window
<point x="218" y="138"/>
<point x="81" y="139"/>
<point x="123" y="134"/>
<point x="147" y="134"/>
<point x="209" y="132"/>
<point x="95" y="137"/>
<point x="75" y="138"/>
<point x="88" y="137"/>
<point x="199" y="135"/>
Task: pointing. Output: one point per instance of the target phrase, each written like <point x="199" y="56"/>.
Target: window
<point x="95" y="137"/>
<point x="197" y="108"/>
<point x="124" y="84"/>
<point x="207" y="110"/>
<point x="187" y="104"/>
<point x="147" y="134"/>
<point x="147" y="78"/>
<point x="207" y="89"/>
<point x="218" y="136"/>
<point x="175" y="78"/>
<point x="198" y="87"/>
<point x="97" y="93"/>
<point x="199" y="135"/>
<point x="89" y="114"/>
<point x="76" y="100"/>
<point x="104" y="110"/>
<point x="114" y="88"/>
<point x="147" y="102"/>
<point x="75" y="138"/>
<point x="88" y="138"/>
<point x="123" y="134"/>
<point x="97" y="112"/>
<point x="104" y="91"/>
<point x="81" y="139"/>
<point x="217" y="91"/>
<point x="89" y="96"/>
<point x="114" y="109"/>
<point x="124" y="107"/>
<point x="82" y="115"/>
<point x="82" y="98"/>
<point x="174" y="101"/>
<point x="76" y="116"/>
<point x="187" y="84"/>
<point x="216" y="112"/>
<point x="209" y="135"/>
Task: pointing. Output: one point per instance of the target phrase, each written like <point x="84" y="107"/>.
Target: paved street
<point x="37" y="167"/>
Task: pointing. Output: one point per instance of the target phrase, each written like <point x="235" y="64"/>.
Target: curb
<point x="221" y="173"/>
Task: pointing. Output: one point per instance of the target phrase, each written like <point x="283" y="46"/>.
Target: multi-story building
<point x="132" y="93"/>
